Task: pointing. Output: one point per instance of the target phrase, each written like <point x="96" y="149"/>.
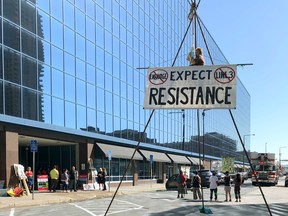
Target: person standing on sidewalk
<point x="181" y="184"/>
<point x="104" y="173"/>
<point x="100" y="178"/>
<point x="237" y="187"/>
<point x="213" y="185"/>
<point x="54" y="175"/>
<point x="65" y="180"/>
<point x="72" y="177"/>
<point x="227" y="186"/>
<point x="196" y="183"/>
<point x="29" y="175"/>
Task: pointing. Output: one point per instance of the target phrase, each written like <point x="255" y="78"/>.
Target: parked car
<point x="172" y="184"/>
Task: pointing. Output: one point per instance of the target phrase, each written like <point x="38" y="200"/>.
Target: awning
<point x="194" y="160"/>
<point x="119" y="151"/>
<point x="179" y="159"/>
<point x="157" y="156"/>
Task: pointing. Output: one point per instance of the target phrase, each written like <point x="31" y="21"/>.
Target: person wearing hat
<point x="227" y="186"/>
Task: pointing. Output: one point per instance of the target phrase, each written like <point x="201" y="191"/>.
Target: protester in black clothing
<point x="104" y="179"/>
<point x="72" y="177"/>
<point x="237" y="186"/>
<point x="100" y="178"/>
<point x="227" y="186"/>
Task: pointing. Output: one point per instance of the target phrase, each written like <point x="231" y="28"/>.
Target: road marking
<point x="137" y="207"/>
<point x="129" y="209"/>
<point x="86" y="210"/>
<point x="12" y="212"/>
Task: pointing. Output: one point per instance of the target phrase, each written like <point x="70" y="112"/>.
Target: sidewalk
<point x="44" y="198"/>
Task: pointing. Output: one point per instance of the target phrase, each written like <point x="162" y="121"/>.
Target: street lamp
<point x="183" y="127"/>
<point x="280" y="155"/>
<point x="244" y="136"/>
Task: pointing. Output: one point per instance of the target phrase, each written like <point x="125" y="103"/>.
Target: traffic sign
<point x="33" y="146"/>
<point x="151" y="160"/>
<point x="109" y="155"/>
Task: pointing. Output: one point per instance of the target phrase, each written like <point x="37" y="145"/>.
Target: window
<point x="100" y="58"/>
<point x="81" y="92"/>
<point x="57" y="83"/>
<point x="12" y="70"/>
<point x="80" y="47"/>
<point x="80" y="22"/>
<point x="80" y="69"/>
<point x="57" y="111"/>
<point x="30" y="110"/>
<point x="100" y="100"/>
<point x="42" y="4"/>
<point x="69" y="14"/>
<point x="28" y="16"/>
<point x="44" y="52"/>
<point x="90" y="74"/>
<point x="57" y="35"/>
<point x="29" y="73"/>
<point x="69" y="40"/>
<point x="57" y="58"/>
<point x="91" y="97"/>
<point x="90" y="29"/>
<point x="90" y="53"/>
<point x="8" y="30"/>
<point x="12" y="100"/>
<point x="43" y="29"/>
<point x="28" y="44"/>
<point x="90" y="8"/>
<point x="69" y="64"/>
<point x="56" y="9"/>
<point x="11" y="10"/>
<point x="81" y="117"/>
<point x="46" y="109"/>
<point x="70" y="113"/>
<point x="70" y="88"/>
<point x="45" y="79"/>
<point x="91" y="120"/>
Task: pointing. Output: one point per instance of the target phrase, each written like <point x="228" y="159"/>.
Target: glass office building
<point x="71" y="73"/>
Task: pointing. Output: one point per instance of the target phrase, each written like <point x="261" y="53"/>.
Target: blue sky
<point x="256" y="32"/>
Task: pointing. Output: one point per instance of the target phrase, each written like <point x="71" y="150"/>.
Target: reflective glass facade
<point x="73" y="63"/>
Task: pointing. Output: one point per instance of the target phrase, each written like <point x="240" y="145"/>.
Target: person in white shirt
<point x="213" y="186"/>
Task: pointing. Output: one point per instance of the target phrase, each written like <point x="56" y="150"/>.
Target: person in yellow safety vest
<point x="54" y="175"/>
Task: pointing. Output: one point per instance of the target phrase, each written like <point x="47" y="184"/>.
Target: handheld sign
<point x="191" y="87"/>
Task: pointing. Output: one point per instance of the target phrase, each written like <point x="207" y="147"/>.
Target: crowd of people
<point x="214" y="183"/>
<point x="65" y="180"/>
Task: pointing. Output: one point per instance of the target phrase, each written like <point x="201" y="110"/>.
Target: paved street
<point x="165" y="203"/>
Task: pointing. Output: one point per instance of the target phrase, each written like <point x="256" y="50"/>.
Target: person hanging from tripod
<point x="199" y="58"/>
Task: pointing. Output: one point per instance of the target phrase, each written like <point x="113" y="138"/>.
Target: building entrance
<point x="64" y="156"/>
